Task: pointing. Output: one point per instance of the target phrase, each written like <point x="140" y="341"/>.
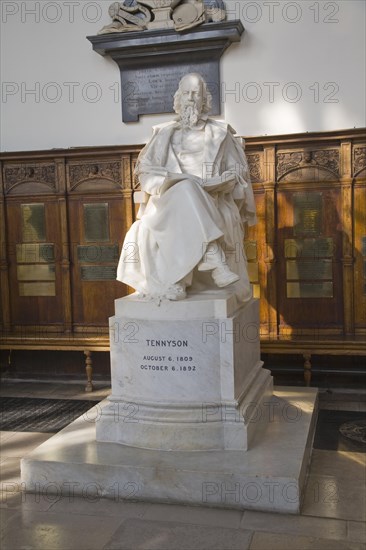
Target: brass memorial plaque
<point x="309" y="248"/>
<point x="97" y="253"/>
<point x="309" y="270"/>
<point x="253" y="272"/>
<point x="256" y="291"/>
<point x="37" y="289"/>
<point x="98" y="273"/>
<point x="31" y="253"/>
<point x="308" y="210"/>
<point x="251" y="253"/>
<point x="36" y="272"/>
<point x="96" y="222"/>
<point x="310" y="290"/>
<point x="33" y="222"/>
<point x="250" y="248"/>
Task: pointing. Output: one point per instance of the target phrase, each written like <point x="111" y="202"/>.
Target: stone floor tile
<point x="4" y="436"/>
<point x="357" y="531"/>
<point x="10" y="475"/>
<point x="99" y="507"/>
<point x="335" y="497"/>
<point x="160" y="535"/>
<point x="274" y="541"/>
<point x="195" y="515"/>
<point x="22" y="443"/>
<point x="12" y="500"/>
<point x="295" y="525"/>
<point x="340" y="464"/>
<point x="47" y="531"/>
<point x="5" y="517"/>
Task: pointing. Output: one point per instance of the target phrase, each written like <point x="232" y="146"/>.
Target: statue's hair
<point x="207" y="97"/>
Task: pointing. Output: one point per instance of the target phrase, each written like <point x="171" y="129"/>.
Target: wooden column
<point x="65" y="248"/>
<point x="127" y="186"/>
<point x="347" y="237"/>
<point x="4" y="264"/>
<point x="270" y="252"/>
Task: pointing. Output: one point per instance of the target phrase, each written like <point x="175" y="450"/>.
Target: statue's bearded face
<point x="191" y="102"/>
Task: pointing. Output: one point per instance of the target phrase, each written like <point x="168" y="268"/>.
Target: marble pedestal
<point x="186" y="375"/>
<point x="233" y="444"/>
<point x="270" y="476"/>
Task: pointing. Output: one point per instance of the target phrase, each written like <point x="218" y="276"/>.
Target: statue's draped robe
<point x="174" y="228"/>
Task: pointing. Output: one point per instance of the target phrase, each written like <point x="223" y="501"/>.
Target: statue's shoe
<point x="224" y="277"/>
<point x="176" y="292"/>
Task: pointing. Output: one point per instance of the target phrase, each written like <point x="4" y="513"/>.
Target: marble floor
<point x="333" y="514"/>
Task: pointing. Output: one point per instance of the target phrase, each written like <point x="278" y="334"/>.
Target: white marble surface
<point x="270" y="476"/>
<point x="185" y="383"/>
<point x="205" y="305"/>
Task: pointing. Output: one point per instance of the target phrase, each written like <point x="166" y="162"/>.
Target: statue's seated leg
<point x="214" y="260"/>
<point x="224" y="277"/>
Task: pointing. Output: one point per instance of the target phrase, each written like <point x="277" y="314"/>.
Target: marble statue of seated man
<point x="189" y="234"/>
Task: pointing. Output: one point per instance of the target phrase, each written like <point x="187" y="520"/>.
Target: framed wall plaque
<point x="309" y="248"/>
<point x="37" y="289"/>
<point x="36" y="272"/>
<point x="310" y="290"/>
<point x="35" y="253"/>
<point x="33" y="222"/>
<point x="98" y="253"/>
<point x="98" y="273"/>
<point x="96" y="222"/>
<point x="308" y="212"/>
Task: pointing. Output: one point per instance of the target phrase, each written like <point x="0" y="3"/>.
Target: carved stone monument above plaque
<point x="154" y="57"/>
<point x="137" y="15"/>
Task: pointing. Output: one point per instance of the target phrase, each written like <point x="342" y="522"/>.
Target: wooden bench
<point x="285" y="346"/>
<point x="307" y="348"/>
<point x="86" y="344"/>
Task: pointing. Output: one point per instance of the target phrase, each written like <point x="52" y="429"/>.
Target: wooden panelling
<point x="307" y="254"/>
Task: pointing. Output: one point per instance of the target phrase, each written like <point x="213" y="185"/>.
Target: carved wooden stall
<point x="64" y="214"/>
<point x="308" y="249"/>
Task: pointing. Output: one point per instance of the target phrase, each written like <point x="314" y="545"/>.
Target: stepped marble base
<point x="270" y="476"/>
<point x="186" y="375"/>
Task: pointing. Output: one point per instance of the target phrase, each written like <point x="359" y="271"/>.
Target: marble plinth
<point x="186" y="375"/>
<point x="270" y="476"/>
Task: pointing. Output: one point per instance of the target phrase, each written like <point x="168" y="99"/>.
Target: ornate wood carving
<point x="255" y="166"/>
<point x="299" y="162"/>
<point x="126" y="167"/>
<point x="135" y="182"/>
<point x="359" y="160"/>
<point x="98" y="171"/>
<point x="18" y="174"/>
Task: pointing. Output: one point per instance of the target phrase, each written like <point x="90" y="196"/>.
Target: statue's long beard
<point x="190" y="115"/>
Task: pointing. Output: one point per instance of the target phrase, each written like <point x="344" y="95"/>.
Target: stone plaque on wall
<point x="152" y="62"/>
<point x="151" y="90"/>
